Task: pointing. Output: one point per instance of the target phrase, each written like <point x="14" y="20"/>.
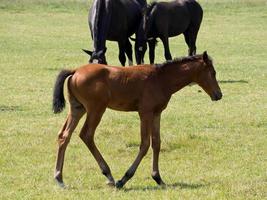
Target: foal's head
<point x="206" y="78"/>
<point x="97" y="57"/>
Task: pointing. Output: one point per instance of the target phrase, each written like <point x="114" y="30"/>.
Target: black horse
<point x="114" y="20"/>
<point x="164" y="20"/>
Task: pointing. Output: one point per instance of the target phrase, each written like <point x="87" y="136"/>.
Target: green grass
<point x="209" y="150"/>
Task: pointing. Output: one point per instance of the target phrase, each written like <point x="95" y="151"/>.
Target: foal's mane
<point x="180" y="60"/>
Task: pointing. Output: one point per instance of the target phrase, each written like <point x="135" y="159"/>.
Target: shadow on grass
<point x="53" y="69"/>
<point x="233" y="81"/>
<point x="191" y="186"/>
<point x="4" y="108"/>
<point x="180" y="185"/>
<point x="225" y="81"/>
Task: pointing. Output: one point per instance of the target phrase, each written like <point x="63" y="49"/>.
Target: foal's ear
<point x="88" y="52"/>
<point x="205" y="57"/>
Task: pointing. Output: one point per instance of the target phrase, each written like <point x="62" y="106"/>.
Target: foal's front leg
<point x="155" y="138"/>
<point x="146" y="128"/>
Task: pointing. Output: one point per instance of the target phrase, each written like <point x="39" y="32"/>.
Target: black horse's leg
<point x="167" y="52"/>
<point x="190" y="36"/>
<point x="152" y="45"/>
<point x="129" y="51"/>
<point x="122" y="57"/>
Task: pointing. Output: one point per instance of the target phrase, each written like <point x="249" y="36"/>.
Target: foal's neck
<point x="176" y="76"/>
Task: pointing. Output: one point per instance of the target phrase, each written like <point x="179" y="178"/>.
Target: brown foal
<point x="146" y="89"/>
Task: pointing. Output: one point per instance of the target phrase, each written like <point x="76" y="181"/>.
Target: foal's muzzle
<point x="216" y="96"/>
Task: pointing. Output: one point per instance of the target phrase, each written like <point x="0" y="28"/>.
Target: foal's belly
<point x="122" y="105"/>
<point x="124" y="99"/>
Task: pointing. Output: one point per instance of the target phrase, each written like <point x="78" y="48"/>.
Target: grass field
<point x="209" y="150"/>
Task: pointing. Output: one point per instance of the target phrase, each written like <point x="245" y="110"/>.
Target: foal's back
<point x="119" y="88"/>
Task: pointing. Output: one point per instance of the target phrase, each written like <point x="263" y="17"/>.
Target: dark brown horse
<point x="146" y="89"/>
<point x="168" y="19"/>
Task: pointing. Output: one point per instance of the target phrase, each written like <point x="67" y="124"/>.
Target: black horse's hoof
<point x="119" y="184"/>
<point x="163" y="185"/>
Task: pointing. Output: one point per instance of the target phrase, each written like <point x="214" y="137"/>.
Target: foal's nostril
<point x="220" y="95"/>
<point x="216" y="96"/>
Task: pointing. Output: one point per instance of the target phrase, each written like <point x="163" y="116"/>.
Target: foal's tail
<point x="58" y="95"/>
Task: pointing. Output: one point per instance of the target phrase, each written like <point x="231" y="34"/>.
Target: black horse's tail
<point x="58" y="95"/>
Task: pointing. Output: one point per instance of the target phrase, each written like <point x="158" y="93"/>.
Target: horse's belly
<point x="121" y="105"/>
<point x="177" y="29"/>
<point x="121" y="32"/>
<point x="123" y="25"/>
<point x="124" y="100"/>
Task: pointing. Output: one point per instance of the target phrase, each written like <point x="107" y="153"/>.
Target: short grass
<point x="209" y="150"/>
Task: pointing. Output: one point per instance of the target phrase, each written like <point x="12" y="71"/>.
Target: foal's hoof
<point x="60" y="183"/>
<point x="119" y="184"/>
<point x="110" y="183"/>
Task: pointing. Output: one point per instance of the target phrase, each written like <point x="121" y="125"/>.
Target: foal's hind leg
<point x="64" y="136"/>
<point x="87" y="136"/>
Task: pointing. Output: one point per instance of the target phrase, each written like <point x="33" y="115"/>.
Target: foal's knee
<point x="145" y="144"/>
<point x="86" y="138"/>
<point x="83" y="136"/>
<point x="144" y="147"/>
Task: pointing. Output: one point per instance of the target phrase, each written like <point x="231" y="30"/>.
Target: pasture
<point x="210" y="150"/>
